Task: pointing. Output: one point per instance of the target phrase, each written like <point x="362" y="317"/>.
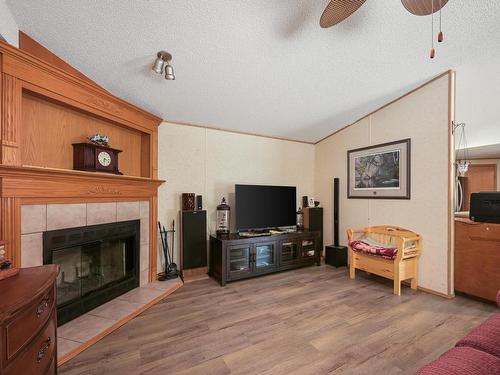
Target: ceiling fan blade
<point x="423" y="7"/>
<point x="338" y="10"/>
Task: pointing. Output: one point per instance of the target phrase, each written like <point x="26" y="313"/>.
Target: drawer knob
<point x="43" y="350"/>
<point x="42" y="306"/>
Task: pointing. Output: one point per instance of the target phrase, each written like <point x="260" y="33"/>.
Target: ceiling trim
<point x="448" y="72"/>
<point x="236" y="131"/>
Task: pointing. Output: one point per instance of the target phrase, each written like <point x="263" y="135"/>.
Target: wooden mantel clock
<point x="95" y="158"/>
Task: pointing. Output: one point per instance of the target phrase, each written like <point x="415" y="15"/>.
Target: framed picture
<point x="381" y="171"/>
<point x="310" y="202"/>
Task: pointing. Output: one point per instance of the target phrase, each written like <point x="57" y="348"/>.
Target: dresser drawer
<point x="39" y="354"/>
<point x="27" y="323"/>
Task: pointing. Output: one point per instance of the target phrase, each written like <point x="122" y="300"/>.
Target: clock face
<point x="104" y="158"/>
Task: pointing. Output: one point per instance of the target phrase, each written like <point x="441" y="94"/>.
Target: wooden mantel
<point x="44" y="108"/>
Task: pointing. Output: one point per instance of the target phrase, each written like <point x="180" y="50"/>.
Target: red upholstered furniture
<point x="477" y="353"/>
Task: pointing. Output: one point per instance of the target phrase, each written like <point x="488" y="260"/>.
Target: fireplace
<point x="97" y="263"/>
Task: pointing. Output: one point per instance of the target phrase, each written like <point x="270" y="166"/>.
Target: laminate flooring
<point x="312" y="320"/>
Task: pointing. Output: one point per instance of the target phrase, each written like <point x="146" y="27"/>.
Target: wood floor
<point x="309" y="321"/>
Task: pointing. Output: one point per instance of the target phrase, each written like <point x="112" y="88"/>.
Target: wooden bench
<point x="405" y="264"/>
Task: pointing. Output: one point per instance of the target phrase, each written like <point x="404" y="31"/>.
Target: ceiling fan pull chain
<point x="440" y="34"/>
<point x="433" y="51"/>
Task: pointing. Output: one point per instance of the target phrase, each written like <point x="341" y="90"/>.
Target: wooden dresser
<point x="477" y="258"/>
<point x="28" y="322"/>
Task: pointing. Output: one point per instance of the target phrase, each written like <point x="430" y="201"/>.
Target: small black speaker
<point x="336" y="256"/>
<point x="199" y="202"/>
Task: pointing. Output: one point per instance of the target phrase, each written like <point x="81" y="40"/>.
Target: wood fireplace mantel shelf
<point x="39" y="182"/>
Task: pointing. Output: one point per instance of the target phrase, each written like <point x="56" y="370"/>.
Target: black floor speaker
<point x="313" y="221"/>
<point x="193" y="239"/>
<point x="336" y="255"/>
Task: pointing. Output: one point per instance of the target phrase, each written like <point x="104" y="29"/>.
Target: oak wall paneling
<point x="11" y="119"/>
<point x="50" y="129"/>
<point x="45" y="107"/>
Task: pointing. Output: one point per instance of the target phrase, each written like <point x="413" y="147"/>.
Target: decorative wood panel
<point x="28" y="44"/>
<point x="47" y="183"/>
<point x="11" y="119"/>
<point x="10" y="229"/>
<point x="44" y="109"/>
<point x="90" y="97"/>
<point x="50" y="129"/>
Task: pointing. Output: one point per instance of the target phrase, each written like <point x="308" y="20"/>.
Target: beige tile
<point x="141" y="295"/>
<point x="144" y="277"/>
<point x="128" y="211"/>
<point x="164" y="285"/>
<point x="116" y="309"/>
<point x="101" y="213"/>
<point x="65" y="346"/>
<point x="31" y="250"/>
<point x="144" y="230"/>
<point x="33" y="218"/>
<point x="144" y="257"/>
<point x="61" y="216"/>
<point x="144" y="209"/>
<point x="84" y="327"/>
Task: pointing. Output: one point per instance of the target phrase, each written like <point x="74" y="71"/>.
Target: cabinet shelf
<point x="262" y="255"/>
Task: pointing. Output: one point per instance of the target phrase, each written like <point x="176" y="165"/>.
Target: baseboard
<point x="194" y="274"/>
<point x="430" y="291"/>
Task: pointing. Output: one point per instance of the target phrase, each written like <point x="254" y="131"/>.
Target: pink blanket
<point x="371" y="249"/>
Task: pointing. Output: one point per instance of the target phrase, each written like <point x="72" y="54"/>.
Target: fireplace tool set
<point x="171" y="269"/>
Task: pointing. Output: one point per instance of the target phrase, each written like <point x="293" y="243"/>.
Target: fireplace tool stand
<point x="171" y="269"/>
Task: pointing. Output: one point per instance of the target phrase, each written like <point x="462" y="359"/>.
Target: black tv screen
<point x="260" y="206"/>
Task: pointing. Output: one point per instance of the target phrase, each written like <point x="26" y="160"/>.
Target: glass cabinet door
<point x="289" y="251"/>
<point x="264" y="256"/>
<point x="308" y="250"/>
<point x="239" y="259"/>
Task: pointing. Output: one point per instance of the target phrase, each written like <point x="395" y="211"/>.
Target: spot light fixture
<point x="162" y="64"/>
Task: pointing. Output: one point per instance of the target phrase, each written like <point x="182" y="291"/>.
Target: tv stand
<point x="233" y="257"/>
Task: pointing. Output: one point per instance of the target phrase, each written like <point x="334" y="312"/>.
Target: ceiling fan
<point x="338" y="10"/>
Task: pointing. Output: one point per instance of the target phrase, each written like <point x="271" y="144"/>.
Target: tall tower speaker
<point x="313" y="221"/>
<point x="336" y="255"/>
<point x="193" y="242"/>
<point x="336" y="193"/>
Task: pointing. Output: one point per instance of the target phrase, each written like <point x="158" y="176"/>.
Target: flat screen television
<point x="260" y="207"/>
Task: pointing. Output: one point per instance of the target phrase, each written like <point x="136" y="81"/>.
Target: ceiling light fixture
<point x="162" y="63"/>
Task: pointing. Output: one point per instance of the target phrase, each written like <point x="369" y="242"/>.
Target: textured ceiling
<point x="258" y="66"/>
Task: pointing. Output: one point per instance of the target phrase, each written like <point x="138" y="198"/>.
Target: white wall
<point x="8" y="26"/>
<point x="210" y="162"/>
<point x="423" y="117"/>
<point x="477" y="100"/>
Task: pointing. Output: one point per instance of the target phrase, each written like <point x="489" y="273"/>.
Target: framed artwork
<point x="310" y="202"/>
<point x="381" y="171"/>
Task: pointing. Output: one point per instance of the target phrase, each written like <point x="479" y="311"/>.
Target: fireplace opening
<point x="96" y="264"/>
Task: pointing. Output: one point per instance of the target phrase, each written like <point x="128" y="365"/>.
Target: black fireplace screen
<point x="96" y="264"/>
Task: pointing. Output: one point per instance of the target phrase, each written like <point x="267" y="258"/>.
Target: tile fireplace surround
<point x="78" y="334"/>
<point x="38" y="218"/>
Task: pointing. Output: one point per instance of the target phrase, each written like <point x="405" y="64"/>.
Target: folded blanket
<point x="372" y="248"/>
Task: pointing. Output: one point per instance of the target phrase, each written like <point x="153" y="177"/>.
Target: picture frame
<point x="310" y="202"/>
<point x="381" y="171"/>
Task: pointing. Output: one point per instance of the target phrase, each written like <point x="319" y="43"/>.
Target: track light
<point x="161" y="63"/>
<point x="169" y="72"/>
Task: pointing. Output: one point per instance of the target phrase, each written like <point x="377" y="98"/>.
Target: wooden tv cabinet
<point x="234" y="258"/>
